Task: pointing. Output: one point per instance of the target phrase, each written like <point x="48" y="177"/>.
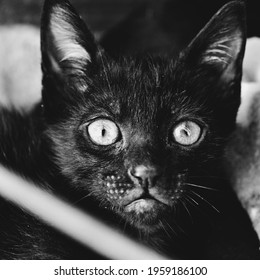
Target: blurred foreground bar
<point x="78" y="225"/>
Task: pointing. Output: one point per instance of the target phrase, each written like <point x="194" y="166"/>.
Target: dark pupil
<point x="103" y="132"/>
<point x="186" y="132"/>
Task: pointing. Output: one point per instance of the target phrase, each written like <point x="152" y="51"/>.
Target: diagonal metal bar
<point x="75" y="223"/>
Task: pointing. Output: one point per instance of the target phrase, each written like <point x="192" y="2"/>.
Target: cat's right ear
<point x="221" y="43"/>
<point x="68" y="47"/>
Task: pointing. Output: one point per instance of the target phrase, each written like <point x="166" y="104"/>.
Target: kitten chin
<point x="145" y="213"/>
<point x="143" y="205"/>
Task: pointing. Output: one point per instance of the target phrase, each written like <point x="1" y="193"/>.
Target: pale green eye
<point x="186" y="133"/>
<point x="103" y="132"/>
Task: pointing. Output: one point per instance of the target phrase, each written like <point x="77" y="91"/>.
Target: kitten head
<point x="136" y="135"/>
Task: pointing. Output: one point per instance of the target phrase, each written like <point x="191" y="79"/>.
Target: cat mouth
<point x="144" y="203"/>
<point x="141" y="205"/>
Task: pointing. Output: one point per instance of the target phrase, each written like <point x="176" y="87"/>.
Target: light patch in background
<point x="20" y="66"/>
<point x="243" y="152"/>
<point x="250" y="89"/>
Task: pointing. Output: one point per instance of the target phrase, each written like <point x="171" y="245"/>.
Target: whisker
<point x="106" y="75"/>
<point x="164" y="229"/>
<point x="170" y="227"/>
<point x="178" y="226"/>
<point x="103" y="203"/>
<point x="174" y="209"/>
<point x="188" y="196"/>
<point x="201" y="187"/>
<point x="188" y="201"/>
<point x="82" y="198"/>
<point x="202" y="198"/>
<point x="124" y="227"/>
<point x="185" y="206"/>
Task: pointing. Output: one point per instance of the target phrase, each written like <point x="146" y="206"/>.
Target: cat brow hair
<point x="102" y="61"/>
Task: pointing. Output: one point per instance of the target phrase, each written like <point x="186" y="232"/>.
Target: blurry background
<point x="168" y="23"/>
<point x="103" y="14"/>
<point x="100" y="14"/>
<point x="124" y="26"/>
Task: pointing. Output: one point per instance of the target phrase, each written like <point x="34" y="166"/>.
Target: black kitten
<point x="138" y="141"/>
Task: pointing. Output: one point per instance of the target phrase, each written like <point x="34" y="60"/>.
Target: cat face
<point x="137" y="135"/>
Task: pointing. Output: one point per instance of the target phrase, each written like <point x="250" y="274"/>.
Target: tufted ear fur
<point x="221" y="43"/>
<point x="68" y="47"/>
<point x="69" y="57"/>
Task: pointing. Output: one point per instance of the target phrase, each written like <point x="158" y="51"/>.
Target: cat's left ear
<point x="221" y="43"/>
<point x="68" y="47"/>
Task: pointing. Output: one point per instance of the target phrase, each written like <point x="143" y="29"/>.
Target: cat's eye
<point x="187" y="133"/>
<point x="103" y="132"/>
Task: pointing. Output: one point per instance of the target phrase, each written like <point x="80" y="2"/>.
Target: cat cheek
<point x="115" y="191"/>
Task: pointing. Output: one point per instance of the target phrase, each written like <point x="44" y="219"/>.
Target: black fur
<point x="188" y="208"/>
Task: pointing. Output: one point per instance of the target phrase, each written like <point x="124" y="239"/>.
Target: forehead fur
<point x="142" y="89"/>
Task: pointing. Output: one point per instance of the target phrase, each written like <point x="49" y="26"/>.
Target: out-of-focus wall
<point x="100" y="14"/>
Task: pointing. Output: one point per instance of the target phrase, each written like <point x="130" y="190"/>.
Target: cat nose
<point x="145" y="174"/>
